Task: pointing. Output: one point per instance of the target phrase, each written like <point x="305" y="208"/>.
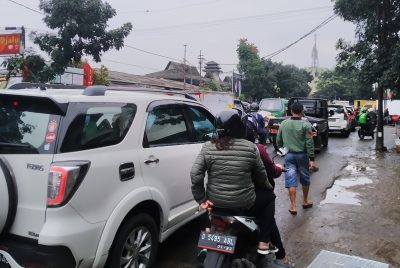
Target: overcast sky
<point x="212" y="26"/>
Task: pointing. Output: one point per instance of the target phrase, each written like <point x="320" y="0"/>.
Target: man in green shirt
<point x="295" y="134"/>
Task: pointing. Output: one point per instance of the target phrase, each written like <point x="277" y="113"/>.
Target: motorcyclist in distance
<point x="259" y="122"/>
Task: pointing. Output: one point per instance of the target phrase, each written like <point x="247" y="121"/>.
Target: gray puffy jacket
<point x="232" y="174"/>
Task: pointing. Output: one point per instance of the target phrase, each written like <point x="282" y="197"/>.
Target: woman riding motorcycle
<point x="234" y="169"/>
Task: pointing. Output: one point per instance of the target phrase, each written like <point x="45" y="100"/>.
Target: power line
<point x="22" y="5"/>
<point x="152" y="53"/>
<point x="159" y="55"/>
<point x="134" y="65"/>
<point x="229" y="20"/>
<point x="322" y="24"/>
<point x="170" y="9"/>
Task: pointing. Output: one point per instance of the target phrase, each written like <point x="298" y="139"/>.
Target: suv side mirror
<point x="331" y="112"/>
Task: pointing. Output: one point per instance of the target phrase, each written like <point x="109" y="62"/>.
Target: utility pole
<point x="201" y="59"/>
<point x="184" y="69"/>
<point x="233" y="75"/>
<point x="381" y="42"/>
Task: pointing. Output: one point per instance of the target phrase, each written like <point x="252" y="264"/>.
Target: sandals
<point x="271" y="249"/>
<point x="280" y="263"/>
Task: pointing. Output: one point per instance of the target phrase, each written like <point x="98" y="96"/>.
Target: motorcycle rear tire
<point x="215" y="259"/>
<point x="360" y="135"/>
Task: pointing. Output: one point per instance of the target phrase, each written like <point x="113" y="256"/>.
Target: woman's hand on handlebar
<point x="207" y="205"/>
<point x="279" y="166"/>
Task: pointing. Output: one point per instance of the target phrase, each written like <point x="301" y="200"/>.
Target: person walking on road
<point x="295" y="134"/>
<point x="273" y="171"/>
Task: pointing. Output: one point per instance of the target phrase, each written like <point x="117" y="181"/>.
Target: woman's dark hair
<point x="229" y="126"/>
<point x="222" y="143"/>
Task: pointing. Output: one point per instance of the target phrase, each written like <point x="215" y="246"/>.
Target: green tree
<point x="81" y="26"/>
<point x="32" y="67"/>
<point x="333" y="84"/>
<point x="376" y="54"/>
<point x="100" y="76"/>
<point x="264" y="78"/>
<point x="252" y="69"/>
<point x="291" y="81"/>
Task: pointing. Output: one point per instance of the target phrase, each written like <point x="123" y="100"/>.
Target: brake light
<point x="64" y="179"/>
<point x="219" y="224"/>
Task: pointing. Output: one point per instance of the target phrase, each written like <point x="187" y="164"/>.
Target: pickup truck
<point x="315" y="111"/>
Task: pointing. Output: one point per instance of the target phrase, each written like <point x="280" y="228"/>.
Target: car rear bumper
<point x="28" y="253"/>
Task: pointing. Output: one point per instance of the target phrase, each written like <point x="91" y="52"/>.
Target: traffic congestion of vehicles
<point x="76" y="144"/>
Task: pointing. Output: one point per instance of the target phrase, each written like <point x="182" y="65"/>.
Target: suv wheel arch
<point x="115" y="223"/>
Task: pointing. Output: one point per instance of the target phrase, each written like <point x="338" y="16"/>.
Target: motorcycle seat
<point x="229" y="212"/>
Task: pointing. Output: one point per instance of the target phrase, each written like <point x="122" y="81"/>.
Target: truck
<point x="275" y="106"/>
<point x="215" y="101"/>
<point x="315" y="112"/>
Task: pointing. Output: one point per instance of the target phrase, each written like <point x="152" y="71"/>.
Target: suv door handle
<point x="126" y="171"/>
<point x="149" y="161"/>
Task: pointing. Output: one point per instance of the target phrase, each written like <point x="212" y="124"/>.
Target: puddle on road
<point x="357" y="169"/>
<point x="340" y="194"/>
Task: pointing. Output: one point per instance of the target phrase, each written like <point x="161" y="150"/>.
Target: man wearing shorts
<point x="295" y="134"/>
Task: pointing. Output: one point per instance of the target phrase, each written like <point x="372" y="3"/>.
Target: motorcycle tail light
<point x="219" y="224"/>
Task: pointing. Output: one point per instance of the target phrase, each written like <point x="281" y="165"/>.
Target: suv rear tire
<point x="8" y="206"/>
<point x="136" y="241"/>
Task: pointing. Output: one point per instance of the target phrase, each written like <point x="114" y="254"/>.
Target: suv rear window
<point x="95" y="125"/>
<point x="28" y="125"/>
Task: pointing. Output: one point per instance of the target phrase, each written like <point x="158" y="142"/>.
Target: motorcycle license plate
<point x="217" y="242"/>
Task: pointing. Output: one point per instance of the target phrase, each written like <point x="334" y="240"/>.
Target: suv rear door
<point x="28" y="136"/>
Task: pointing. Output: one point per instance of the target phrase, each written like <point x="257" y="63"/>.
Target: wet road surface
<point x="356" y="211"/>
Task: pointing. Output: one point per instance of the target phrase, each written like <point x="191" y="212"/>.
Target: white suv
<point x="95" y="177"/>
<point x="339" y="120"/>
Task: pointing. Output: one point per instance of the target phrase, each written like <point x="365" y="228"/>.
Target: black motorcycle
<point x="220" y="241"/>
<point x="366" y="130"/>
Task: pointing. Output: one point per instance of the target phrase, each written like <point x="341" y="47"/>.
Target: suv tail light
<point x="64" y="180"/>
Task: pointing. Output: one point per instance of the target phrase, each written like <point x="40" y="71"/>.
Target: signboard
<point x="10" y="43"/>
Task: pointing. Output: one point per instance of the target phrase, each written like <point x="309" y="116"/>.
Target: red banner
<point x="87" y="75"/>
<point x="10" y="43"/>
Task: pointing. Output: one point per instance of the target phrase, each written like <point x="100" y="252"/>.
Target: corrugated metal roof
<point x="119" y="78"/>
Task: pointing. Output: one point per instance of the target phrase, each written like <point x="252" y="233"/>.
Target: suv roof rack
<point x="95" y="91"/>
<point x="43" y="86"/>
<point x="153" y="90"/>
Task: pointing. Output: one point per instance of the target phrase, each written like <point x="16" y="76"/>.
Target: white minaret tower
<point x="314" y="55"/>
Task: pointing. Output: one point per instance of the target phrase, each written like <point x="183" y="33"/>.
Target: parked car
<point x="96" y="176"/>
<point x="339" y="120"/>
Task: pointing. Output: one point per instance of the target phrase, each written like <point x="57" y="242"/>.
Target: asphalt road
<point x="180" y="249"/>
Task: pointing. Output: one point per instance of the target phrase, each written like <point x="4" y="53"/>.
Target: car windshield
<point x="26" y="127"/>
<point x="337" y="109"/>
<point x="271" y="105"/>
